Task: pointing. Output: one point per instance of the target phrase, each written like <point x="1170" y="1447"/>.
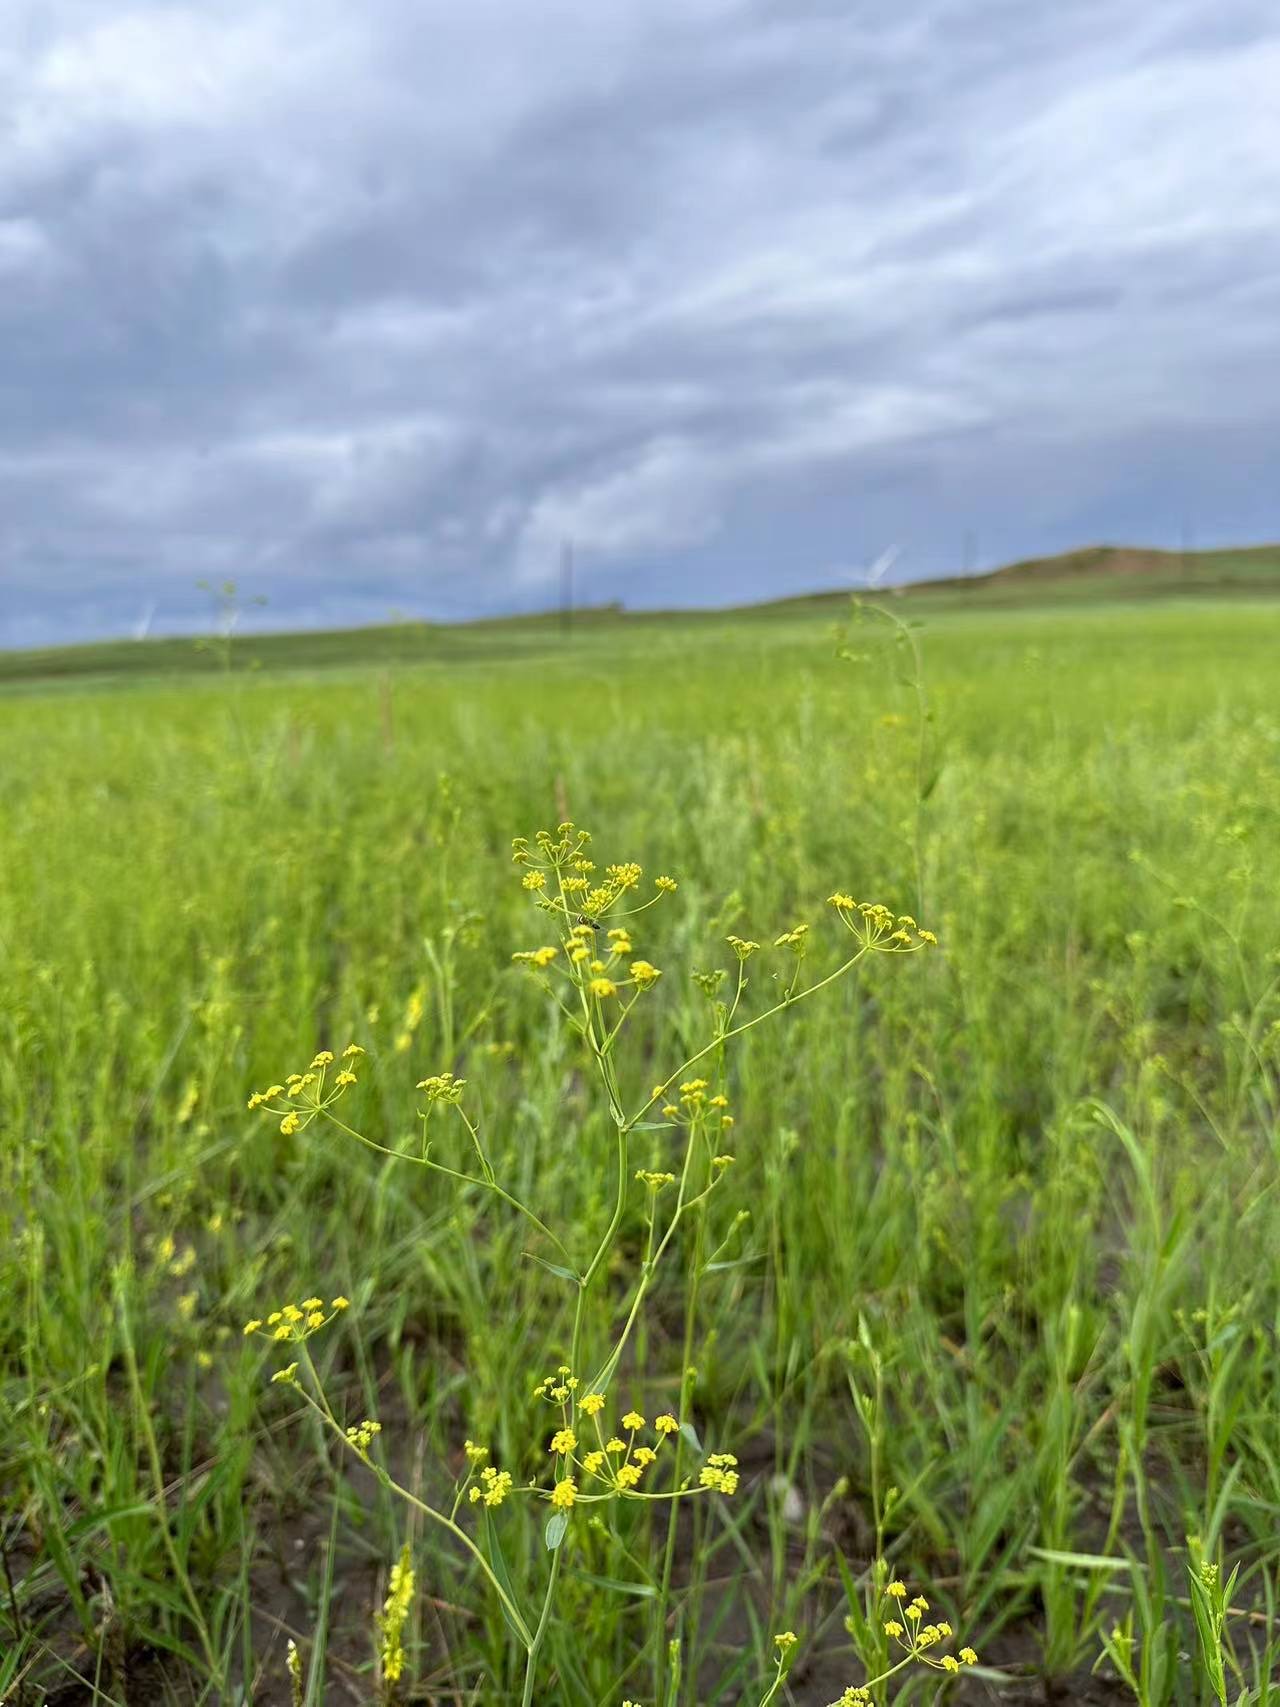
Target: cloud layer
<point x="372" y="307"/>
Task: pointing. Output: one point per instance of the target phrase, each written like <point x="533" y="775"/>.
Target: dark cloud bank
<point x="373" y="306"/>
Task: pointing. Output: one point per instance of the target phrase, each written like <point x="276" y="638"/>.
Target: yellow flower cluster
<point x="557" y="1388"/>
<point x="562" y="855"/>
<point x="442" y="1087"/>
<point x="393" y="1617"/>
<point x="655" y="1181"/>
<point x="493" y="1487"/>
<point x="620" y="1465"/>
<point x="537" y="958"/>
<point x="720" y="1473"/>
<point x="305" y="1095"/>
<point x="695" y="1107"/>
<point x="296" y="1322"/>
<point x="604" y="976"/>
<point x="908" y="1629"/>
<point x="874" y="924"/>
<point x="361" y="1435"/>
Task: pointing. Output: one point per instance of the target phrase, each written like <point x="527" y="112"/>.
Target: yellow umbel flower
<point x="494" y="1487"/>
<point x="394" y="1615"/>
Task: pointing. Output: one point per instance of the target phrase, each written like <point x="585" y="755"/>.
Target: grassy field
<point x="990" y="1292"/>
<point x="1096" y="575"/>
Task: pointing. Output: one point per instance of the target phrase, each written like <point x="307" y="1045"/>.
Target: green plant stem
<point x="452" y="1173"/>
<point x="788" y="1001"/>
<point x="389" y="1482"/>
<point x="669" y="1548"/>
<point x="535" y="1644"/>
<point x="158" y="1486"/>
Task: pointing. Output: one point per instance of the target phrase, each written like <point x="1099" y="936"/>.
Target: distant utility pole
<point x="566" y="586"/>
<point x="970" y="550"/>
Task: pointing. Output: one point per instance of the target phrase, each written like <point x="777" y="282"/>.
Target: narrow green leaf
<point x="499" y="1564"/>
<point x="1084" y="1561"/>
<point x="560" y="1272"/>
<point x="642" y="1591"/>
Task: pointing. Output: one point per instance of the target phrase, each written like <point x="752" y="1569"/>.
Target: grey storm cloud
<point x="372" y="307"/>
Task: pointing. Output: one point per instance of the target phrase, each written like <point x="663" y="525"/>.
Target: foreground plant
<point x="902" y="1618"/>
<point x="598" y="1454"/>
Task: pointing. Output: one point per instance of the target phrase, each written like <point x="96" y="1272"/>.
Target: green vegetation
<point x="1003" y="1310"/>
<point x="1124" y="574"/>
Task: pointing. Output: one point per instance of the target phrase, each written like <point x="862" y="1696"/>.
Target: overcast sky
<point x="372" y="305"/>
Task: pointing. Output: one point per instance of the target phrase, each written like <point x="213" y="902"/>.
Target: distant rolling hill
<point x="1128" y="570"/>
<point x="1097" y="572"/>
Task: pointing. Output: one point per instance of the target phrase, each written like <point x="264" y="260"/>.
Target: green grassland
<point x="1097" y="574"/>
<point x="1004" y="1306"/>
